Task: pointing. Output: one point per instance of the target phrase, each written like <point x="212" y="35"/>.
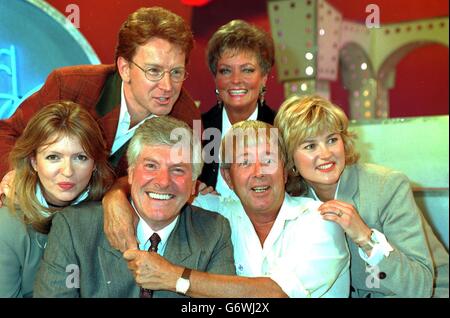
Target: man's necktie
<point x="154" y="241"/>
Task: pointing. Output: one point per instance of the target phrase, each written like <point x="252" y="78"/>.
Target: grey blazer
<point x="384" y="200"/>
<point x="21" y="249"/>
<point x="200" y="240"/>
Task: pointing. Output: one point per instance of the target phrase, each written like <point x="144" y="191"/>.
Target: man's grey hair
<point x="169" y="131"/>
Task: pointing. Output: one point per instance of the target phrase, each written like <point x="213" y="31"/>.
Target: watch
<point x="367" y="246"/>
<point x="183" y="282"/>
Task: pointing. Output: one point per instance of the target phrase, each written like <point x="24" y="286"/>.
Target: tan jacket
<point x="384" y="200"/>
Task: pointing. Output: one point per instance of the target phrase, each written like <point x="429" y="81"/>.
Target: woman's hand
<point x="6" y="185"/>
<point x="120" y="218"/>
<point x="203" y="189"/>
<point x="347" y="217"/>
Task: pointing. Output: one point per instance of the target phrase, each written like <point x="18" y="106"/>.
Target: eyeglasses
<point x="155" y="74"/>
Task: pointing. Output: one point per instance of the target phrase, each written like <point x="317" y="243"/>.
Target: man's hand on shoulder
<point x="152" y="271"/>
<point x="120" y="219"/>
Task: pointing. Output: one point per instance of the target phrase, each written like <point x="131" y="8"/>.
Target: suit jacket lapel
<point x="109" y="123"/>
<point x="110" y="96"/>
<point x="115" y="158"/>
<point x="178" y="250"/>
<point x="115" y="272"/>
<point x="216" y="118"/>
<point x="348" y="186"/>
<point x="108" y="106"/>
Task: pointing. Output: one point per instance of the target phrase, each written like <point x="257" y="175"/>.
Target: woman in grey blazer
<point x="59" y="160"/>
<point x="394" y="252"/>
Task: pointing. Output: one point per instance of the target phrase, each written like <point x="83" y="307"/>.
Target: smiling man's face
<point x="160" y="185"/>
<point x="258" y="178"/>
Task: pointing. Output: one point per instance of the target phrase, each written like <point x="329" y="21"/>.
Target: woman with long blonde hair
<point x="59" y="160"/>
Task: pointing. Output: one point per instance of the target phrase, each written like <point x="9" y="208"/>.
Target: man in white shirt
<point x="282" y="246"/>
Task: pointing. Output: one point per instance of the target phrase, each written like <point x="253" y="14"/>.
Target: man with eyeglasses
<point x="151" y="55"/>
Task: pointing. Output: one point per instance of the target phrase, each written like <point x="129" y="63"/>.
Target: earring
<point x="294" y="171"/>
<point x="262" y="92"/>
<point x="219" y="101"/>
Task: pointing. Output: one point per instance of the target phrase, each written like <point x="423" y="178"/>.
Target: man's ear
<point x="227" y="177"/>
<point x="194" y="187"/>
<point x="130" y="174"/>
<point x="123" y="66"/>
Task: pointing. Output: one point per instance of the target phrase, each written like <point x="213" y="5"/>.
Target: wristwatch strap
<point x="186" y="273"/>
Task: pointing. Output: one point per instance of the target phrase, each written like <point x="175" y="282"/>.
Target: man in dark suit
<point x="79" y="261"/>
<point x="151" y="43"/>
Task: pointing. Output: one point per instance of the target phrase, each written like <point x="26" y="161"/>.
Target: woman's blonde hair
<point x="47" y="126"/>
<point x="300" y="118"/>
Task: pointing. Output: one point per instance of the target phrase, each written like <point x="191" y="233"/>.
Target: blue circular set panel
<point x="35" y="38"/>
